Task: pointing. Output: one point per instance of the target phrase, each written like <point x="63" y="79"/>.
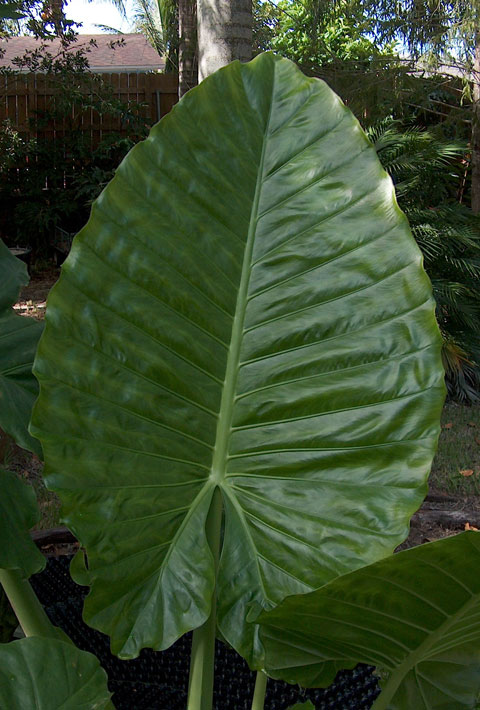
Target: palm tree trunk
<point x="187" y="48"/>
<point x="476" y="129"/>
<point x="224" y="33"/>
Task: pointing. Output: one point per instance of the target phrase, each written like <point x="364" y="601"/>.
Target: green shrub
<point x="48" y="181"/>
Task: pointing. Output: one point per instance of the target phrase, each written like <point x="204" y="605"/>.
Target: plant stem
<point x="389" y="689"/>
<point x="200" y="686"/>
<point x="28" y="610"/>
<point x="381" y="703"/>
<point x="260" y="690"/>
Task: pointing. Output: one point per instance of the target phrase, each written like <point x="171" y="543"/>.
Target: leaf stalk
<point x="260" y="690"/>
<point x="28" y="610"/>
<point x="202" y="661"/>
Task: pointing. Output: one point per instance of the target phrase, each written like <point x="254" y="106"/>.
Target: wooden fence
<point x="25" y="98"/>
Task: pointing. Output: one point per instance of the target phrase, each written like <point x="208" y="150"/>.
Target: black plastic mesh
<point x="158" y="681"/>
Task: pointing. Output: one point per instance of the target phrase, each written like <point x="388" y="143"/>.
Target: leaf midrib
<point x="225" y="416"/>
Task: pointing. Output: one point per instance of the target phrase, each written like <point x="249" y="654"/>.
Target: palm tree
<point x="146" y="20"/>
<point x="171" y="28"/>
<point x="224" y="33"/>
<point x="187" y="49"/>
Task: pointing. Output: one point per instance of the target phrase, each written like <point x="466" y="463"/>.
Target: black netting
<point x="158" y="681"/>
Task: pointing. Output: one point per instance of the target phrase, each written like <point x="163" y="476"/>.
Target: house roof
<point x="132" y="52"/>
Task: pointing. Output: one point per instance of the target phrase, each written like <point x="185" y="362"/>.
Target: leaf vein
<point x="337" y="257"/>
<point x="295" y="380"/>
<point x="346" y="333"/>
<point x="332" y="411"/>
<point x="118" y="315"/>
<point x="153" y="296"/>
<point x="329" y="300"/>
<point x="150" y="248"/>
<point x="314" y="182"/>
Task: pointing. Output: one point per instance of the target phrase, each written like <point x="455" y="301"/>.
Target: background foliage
<point x="51" y="181"/>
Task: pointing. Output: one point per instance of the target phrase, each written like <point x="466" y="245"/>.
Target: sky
<point x="98" y="12"/>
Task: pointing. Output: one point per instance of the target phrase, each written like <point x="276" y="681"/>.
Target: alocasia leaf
<point x="302" y="706"/>
<point x="18" y="341"/>
<point x="18" y="513"/>
<point x="415" y="616"/>
<point x="47" y="674"/>
<point x="245" y="309"/>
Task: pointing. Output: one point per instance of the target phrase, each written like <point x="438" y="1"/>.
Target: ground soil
<point x="32" y="301"/>
<point x="424" y="527"/>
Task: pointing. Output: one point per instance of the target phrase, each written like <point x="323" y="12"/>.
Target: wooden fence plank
<point x="25" y="99"/>
<point x="3" y="98"/>
<point x="31" y="104"/>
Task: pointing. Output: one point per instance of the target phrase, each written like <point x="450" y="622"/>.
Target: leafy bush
<point x="47" y="182"/>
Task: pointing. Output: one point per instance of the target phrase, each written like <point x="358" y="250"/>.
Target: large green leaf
<point x="415" y="615"/>
<point x="18" y="341"/>
<point x="247" y="309"/>
<point x="18" y="513"/>
<point x="47" y="674"/>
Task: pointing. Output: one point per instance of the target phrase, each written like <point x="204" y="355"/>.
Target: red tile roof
<point x="133" y="54"/>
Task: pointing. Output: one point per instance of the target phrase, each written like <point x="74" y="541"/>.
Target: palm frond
<point x="461" y="374"/>
<point x="168" y="14"/>
<point x="110" y="30"/>
<point x="146" y="19"/>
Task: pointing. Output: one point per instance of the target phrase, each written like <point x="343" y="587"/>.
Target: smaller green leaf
<point x="19" y="338"/>
<point x="13" y="275"/>
<point x="18" y="386"/>
<point x="302" y="706"/>
<point x="18" y="513"/>
<point x="415" y="616"/>
<point x="48" y="674"/>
